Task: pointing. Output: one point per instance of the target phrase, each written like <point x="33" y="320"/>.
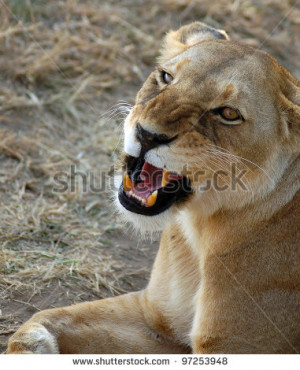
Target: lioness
<point x="212" y="157"/>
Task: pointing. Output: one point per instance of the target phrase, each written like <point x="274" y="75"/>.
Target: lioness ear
<point x="290" y="103"/>
<point x="177" y="41"/>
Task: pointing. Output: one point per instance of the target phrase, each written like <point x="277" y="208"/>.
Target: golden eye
<point x="229" y="114"/>
<point x="166" y="77"/>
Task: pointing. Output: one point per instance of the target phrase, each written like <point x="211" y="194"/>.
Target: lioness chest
<point x="213" y="295"/>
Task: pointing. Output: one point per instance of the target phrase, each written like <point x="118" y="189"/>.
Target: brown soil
<point x="132" y="274"/>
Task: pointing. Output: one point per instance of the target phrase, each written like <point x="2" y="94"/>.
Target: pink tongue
<point x="151" y="177"/>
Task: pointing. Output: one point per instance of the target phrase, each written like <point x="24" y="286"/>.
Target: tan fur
<point x="227" y="275"/>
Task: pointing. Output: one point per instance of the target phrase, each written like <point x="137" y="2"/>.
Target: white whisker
<point x="227" y="153"/>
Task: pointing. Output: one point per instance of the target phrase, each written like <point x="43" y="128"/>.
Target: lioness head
<point x="213" y="127"/>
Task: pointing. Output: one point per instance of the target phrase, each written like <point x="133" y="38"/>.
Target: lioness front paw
<point x="34" y="338"/>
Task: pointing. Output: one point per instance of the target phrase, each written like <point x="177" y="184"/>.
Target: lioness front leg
<point x="113" y="325"/>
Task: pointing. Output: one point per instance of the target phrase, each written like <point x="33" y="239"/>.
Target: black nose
<point x="149" y="140"/>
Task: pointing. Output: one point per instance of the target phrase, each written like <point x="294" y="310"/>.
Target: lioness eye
<point x="166" y="77"/>
<point x="229" y="114"/>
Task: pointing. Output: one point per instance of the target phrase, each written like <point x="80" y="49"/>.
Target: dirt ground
<point x="69" y="70"/>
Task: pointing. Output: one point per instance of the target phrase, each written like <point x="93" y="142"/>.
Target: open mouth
<point x="149" y="190"/>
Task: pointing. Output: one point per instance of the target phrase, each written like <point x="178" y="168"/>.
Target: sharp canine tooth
<point x="127" y="183"/>
<point x="165" y="178"/>
<point x="152" y="199"/>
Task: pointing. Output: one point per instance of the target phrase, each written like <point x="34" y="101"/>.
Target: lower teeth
<point x="150" y="201"/>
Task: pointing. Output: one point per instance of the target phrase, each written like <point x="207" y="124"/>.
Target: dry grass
<point x="63" y="64"/>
